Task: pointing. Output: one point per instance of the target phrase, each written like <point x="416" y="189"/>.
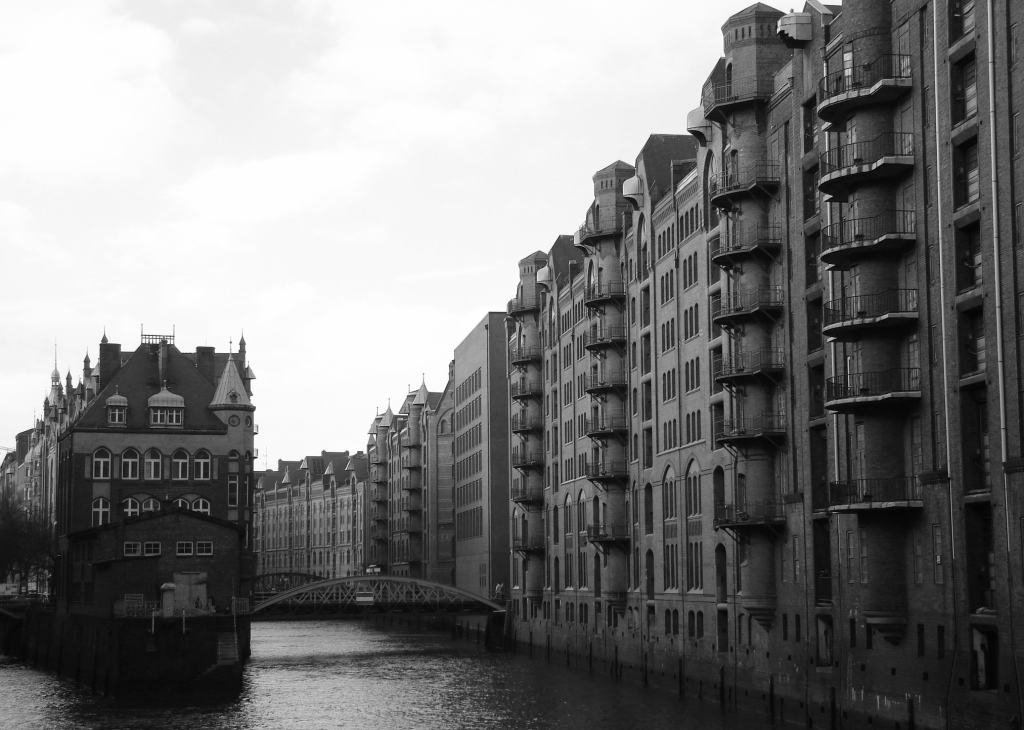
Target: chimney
<point x="110" y="362"/>
<point x="204" y="363"/>
<point x="162" y="362"/>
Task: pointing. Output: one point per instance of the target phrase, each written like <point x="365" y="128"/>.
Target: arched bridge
<point x="387" y="592"/>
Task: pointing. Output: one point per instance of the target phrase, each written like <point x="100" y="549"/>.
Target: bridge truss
<point x="382" y="592"/>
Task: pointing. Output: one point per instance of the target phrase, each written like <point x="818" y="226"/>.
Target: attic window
<point x="233" y="396"/>
<point x="116" y="415"/>
<point x="165" y="416"/>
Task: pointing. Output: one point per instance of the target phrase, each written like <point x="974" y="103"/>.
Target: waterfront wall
<point x="117" y="655"/>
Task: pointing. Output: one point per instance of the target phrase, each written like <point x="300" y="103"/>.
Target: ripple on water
<point x="343" y="674"/>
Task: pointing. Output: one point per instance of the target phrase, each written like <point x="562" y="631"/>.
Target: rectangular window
<point x="184" y="548"/>
<point x="939" y="574"/>
<point x="132" y="549"/>
<point x="863" y="556"/>
<point x="920" y="639"/>
<point x="940" y="642"/>
<point x="850" y="575"/>
<point x="796" y="563"/>
<point x="151" y="548"/>
<point x="233" y="490"/>
<point x="204" y="547"/>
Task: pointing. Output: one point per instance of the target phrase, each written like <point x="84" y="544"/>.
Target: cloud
<point x="84" y="91"/>
<point x="278" y="187"/>
<point x="199" y="27"/>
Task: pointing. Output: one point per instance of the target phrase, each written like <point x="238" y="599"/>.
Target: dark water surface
<point x="344" y="674"/>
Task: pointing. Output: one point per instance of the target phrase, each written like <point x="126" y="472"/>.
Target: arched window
<point x="181" y="502"/>
<point x="151" y="505"/>
<point x="130" y="464"/>
<point x="130" y="507"/>
<point x="153" y="464"/>
<point x="202" y="465"/>
<point x="179" y="465"/>
<point x="101" y="464"/>
<point x="100" y="511"/>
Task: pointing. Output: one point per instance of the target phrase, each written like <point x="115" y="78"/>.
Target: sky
<point x="350" y="184"/>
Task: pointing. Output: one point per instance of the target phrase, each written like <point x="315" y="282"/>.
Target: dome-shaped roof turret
<point x="118" y="400"/>
<point x="166" y="399"/>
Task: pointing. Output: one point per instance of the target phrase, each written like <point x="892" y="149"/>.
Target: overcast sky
<point x="351" y="184"/>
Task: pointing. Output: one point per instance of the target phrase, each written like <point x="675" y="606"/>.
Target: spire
<point x="87" y="361"/>
<point x="104" y="340"/>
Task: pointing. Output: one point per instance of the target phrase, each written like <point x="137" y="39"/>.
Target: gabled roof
<point x="166" y="511"/>
<point x="617" y="165"/>
<point x="139" y="379"/>
<point x="657" y="155"/>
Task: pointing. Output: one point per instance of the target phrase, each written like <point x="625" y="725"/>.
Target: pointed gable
<point x="230" y="391"/>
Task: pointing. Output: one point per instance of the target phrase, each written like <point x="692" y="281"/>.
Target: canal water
<point x="346" y="674"/>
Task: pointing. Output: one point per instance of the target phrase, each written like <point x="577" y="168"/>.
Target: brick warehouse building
<point x="780" y="338"/>
<point x="154" y="480"/>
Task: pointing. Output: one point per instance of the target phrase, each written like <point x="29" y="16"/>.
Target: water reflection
<point x="348" y="675"/>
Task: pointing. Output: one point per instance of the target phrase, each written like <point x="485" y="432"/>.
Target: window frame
<point x="100" y="511"/>
<point x="101" y="464"/>
<point x="151" y="548"/>
<point x="184" y="549"/>
<point x="153" y="467"/>
<point x="133" y="548"/>
<point x="130" y="464"/>
<point x="204" y="548"/>
<point x="179" y="466"/>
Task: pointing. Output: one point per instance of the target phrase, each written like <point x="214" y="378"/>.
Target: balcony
<point x="608" y="534"/>
<point x="887" y="156"/>
<point x="768" y="426"/>
<point x="411" y="504"/>
<point x="603" y="292"/>
<point x="408" y="442"/>
<point x="522" y="305"/>
<point x="527" y="459"/>
<point x="722" y="98"/>
<point x="523" y="389"/>
<point x="856" y="391"/>
<point x="588" y="231"/>
<point x="378" y="474"/>
<point x="379" y="495"/>
<point x="847" y="318"/>
<point x="604" y="337"/>
<point x="612" y="380"/>
<point x="730" y="309"/>
<point x="767" y="361"/>
<point x="879" y="493"/>
<point x="603" y="472"/>
<point x="379" y="533"/>
<point x="530" y="493"/>
<point x="411" y="460"/>
<point x="525" y="423"/>
<point x="379" y="513"/>
<point x="533" y="595"/>
<point x="525" y="355"/>
<point x="378" y="459"/>
<point x="606" y="426"/>
<point x="529" y="544"/>
<point x="881" y="81"/>
<point x="740" y="245"/>
<point x="728" y="187"/>
<point x="412" y="485"/>
<point x="888" y="233"/>
<point x="752" y="515"/>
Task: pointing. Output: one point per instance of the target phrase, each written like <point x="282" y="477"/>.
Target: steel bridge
<point x="298" y="592"/>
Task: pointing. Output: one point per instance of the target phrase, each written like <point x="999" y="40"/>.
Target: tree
<point x="26" y="541"/>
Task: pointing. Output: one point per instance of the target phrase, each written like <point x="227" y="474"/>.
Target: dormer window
<point x="165" y="416"/>
<point x="166" y="409"/>
<point x="117" y="409"/>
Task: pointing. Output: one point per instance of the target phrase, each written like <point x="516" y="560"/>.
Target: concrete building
<point x="814" y="302"/>
<point x="481" y="468"/>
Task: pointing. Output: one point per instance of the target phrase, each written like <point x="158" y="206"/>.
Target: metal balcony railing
<point x="765" y="358"/>
<point x="606" y="470"/>
<point x="900" y="224"/>
<point x="522" y="304"/>
<point x="878" y="489"/>
<point x="866" y="306"/>
<point x="736" y="91"/>
<point x="528" y="543"/>
<point x="526" y="422"/>
<point x="588" y="229"/>
<point x="606" y="380"/>
<point x="524" y="459"/>
<point x="525" y="388"/>
<point x="761" y="172"/>
<point x="600" y="532"/>
<point x="865" y="75"/>
<point x="528" y="493"/>
<point x="759" y="236"/>
<point x="604" y="290"/>
<point x="887" y="144"/>
<point x="742" y="302"/>
<point x="605" y="424"/>
<point x="604" y="336"/>
<point x="760" y="512"/>
<point x="764" y="424"/>
<point x="866" y="385"/>
<point x="527" y="353"/>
